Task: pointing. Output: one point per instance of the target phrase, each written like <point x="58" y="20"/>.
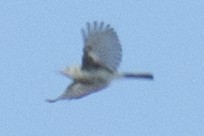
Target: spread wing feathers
<point x="79" y="89"/>
<point x="101" y="47"/>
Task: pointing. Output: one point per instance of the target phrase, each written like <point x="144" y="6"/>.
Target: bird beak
<point x="63" y="72"/>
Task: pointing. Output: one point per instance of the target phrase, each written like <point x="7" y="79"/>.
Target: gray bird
<point x="101" y="58"/>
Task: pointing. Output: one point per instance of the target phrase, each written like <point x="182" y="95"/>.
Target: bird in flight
<point x="102" y="56"/>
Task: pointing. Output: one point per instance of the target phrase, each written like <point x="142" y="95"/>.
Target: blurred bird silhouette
<point x="101" y="58"/>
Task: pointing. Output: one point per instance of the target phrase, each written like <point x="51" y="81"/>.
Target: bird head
<point x="71" y="72"/>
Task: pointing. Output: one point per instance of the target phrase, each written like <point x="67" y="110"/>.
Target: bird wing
<point x="101" y="47"/>
<point x="79" y="89"/>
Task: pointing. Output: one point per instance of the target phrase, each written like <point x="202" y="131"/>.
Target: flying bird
<point x="102" y="54"/>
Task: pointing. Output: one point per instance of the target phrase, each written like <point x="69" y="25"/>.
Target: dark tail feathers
<point x="139" y="75"/>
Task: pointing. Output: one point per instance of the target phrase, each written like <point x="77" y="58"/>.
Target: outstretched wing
<point x="79" y="89"/>
<point x="102" y="47"/>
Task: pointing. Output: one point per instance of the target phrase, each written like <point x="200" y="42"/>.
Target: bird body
<point x="101" y="58"/>
<point x="76" y="73"/>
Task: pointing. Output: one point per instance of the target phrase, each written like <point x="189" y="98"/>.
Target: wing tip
<point x="97" y="25"/>
<point x="51" y="100"/>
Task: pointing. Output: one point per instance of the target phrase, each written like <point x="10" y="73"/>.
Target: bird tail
<point x="138" y="75"/>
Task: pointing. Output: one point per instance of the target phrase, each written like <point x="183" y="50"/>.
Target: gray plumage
<point x="101" y="58"/>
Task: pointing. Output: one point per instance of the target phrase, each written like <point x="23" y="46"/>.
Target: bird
<point x="102" y="54"/>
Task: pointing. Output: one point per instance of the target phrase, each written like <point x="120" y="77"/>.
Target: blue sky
<point x="38" y="38"/>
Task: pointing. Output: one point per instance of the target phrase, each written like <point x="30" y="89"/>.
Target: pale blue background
<point x="165" y="37"/>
